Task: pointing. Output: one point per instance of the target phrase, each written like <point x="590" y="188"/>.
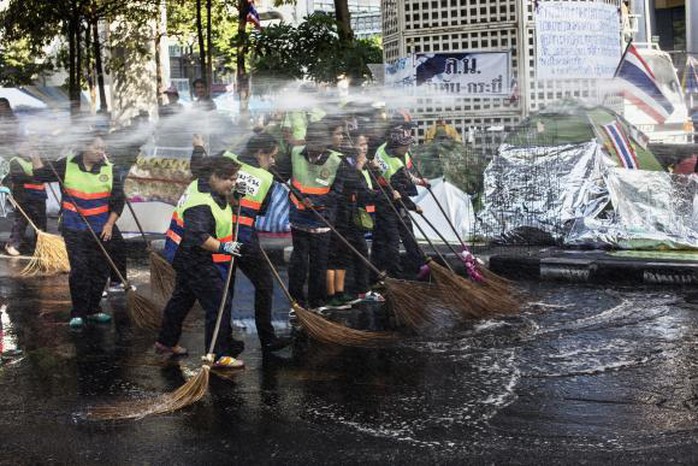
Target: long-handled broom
<point x="50" y="255"/>
<point x="409" y="301"/>
<point x="193" y="389"/>
<point x="326" y="331"/>
<point x="162" y="274"/>
<point x="490" y="279"/>
<point x="455" y="293"/>
<point x="481" y="301"/>
<point x="143" y="312"/>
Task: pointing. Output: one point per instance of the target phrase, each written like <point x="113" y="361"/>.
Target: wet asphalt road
<point x="582" y="375"/>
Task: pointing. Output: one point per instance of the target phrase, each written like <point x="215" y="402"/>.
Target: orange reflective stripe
<point x="86" y="212"/>
<point x="297" y="203"/>
<point x="251" y="204"/>
<point x="309" y="190"/>
<point x="247" y="221"/>
<point x="173" y="236"/>
<point x="38" y="187"/>
<point x="218" y="258"/>
<point x="370" y="209"/>
<point x="226" y="239"/>
<point x="86" y="196"/>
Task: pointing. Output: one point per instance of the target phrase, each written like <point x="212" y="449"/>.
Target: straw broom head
<point x="50" y="256"/>
<point x="411" y="302"/>
<point x="162" y="275"/>
<point x="192" y="391"/>
<point x="496" y="283"/>
<point x="143" y="312"/>
<point x="330" y="332"/>
<point x="472" y="300"/>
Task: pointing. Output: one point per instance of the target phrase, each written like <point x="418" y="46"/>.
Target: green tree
<point x="20" y="64"/>
<point x="314" y="49"/>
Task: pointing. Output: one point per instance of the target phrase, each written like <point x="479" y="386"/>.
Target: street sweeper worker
<point x="388" y="230"/>
<point x="28" y="193"/>
<point x="89" y="186"/>
<point x="254" y="185"/>
<point x="201" y="263"/>
<point x="354" y="219"/>
<point x="317" y="178"/>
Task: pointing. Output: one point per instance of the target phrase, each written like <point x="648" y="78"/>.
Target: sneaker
<point x="175" y="350"/>
<point x="276" y="344"/>
<point x="11" y="250"/>
<point x="116" y="288"/>
<point x="228" y="362"/>
<point x="336" y="303"/>
<point x="99" y="317"/>
<point x="76" y="323"/>
<point x="372" y="296"/>
<point x="347" y="298"/>
<point x="105" y="294"/>
<point x="291" y="313"/>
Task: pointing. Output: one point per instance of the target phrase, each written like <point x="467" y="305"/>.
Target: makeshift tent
<point x="579" y="193"/>
<point x="20" y="100"/>
<point x="457" y="205"/>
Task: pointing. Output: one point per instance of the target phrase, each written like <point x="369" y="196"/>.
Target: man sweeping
<point x="389" y="231"/>
<point x="201" y="263"/>
<point x="29" y="194"/>
<point x="90" y="189"/>
<point x="255" y="185"/>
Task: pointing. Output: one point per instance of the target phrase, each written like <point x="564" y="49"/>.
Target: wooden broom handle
<point x="329" y="225"/>
<point x="123" y="279"/>
<point x="228" y="279"/>
<point x="404" y="224"/>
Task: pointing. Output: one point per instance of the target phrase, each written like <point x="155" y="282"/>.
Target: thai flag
<point x="622" y="146"/>
<point x="252" y="15"/>
<point x="641" y="87"/>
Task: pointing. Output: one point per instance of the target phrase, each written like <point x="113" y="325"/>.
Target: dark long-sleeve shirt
<point x="45" y="174"/>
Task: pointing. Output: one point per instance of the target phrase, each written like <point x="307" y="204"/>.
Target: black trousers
<point x="256" y="269"/>
<point x="202" y="282"/>
<point x="36" y="210"/>
<point x="343" y="258"/>
<point x="89" y="270"/>
<point x="309" y="258"/>
<point x="385" y="249"/>
<point x="413" y="258"/>
<point x="119" y="254"/>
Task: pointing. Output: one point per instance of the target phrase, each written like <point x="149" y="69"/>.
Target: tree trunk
<point x="99" y="69"/>
<point x="159" y="88"/>
<point x="209" y="49"/>
<point x="242" y="78"/>
<point x="200" y="35"/>
<point x="73" y="70"/>
<point x="89" y="68"/>
<point x="341" y="9"/>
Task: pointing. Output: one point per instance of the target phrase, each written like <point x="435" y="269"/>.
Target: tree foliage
<point x="313" y="49"/>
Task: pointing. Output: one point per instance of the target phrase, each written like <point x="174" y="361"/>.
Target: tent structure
<point x="457" y="205"/>
<point x="579" y="192"/>
<point x="20" y="100"/>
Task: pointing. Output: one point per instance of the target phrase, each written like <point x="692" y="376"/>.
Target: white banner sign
<point x="473" y="74"/>
<point x="400" y="73"/>
<point x="577" y="40"/>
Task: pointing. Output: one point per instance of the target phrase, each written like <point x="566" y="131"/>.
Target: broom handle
<point x="123" y="279"/>
<point x="228" y="279"/>
<point x="431" y="225"/>
<point x="404" y="224"/>
<point x="18" y="207"/>
<point x="138" y="223"/>
<point x="443" y="211"/>
<point x="277" y="276"/>
<point x="329" y="225"/>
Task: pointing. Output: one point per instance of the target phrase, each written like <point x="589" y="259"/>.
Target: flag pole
<point x="622" y="58"/>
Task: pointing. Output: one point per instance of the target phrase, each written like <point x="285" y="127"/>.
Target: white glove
<point x="232" y="248"/>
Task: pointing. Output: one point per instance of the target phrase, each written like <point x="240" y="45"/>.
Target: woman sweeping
<point x="202" y="260"/>
<point x="89" y="187"/>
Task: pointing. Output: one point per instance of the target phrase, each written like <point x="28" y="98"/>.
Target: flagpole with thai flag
<point x="641" y="87"/>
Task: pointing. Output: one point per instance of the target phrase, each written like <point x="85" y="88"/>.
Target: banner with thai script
<point x="577" y="40"/>
<point x="478" y="74"/>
